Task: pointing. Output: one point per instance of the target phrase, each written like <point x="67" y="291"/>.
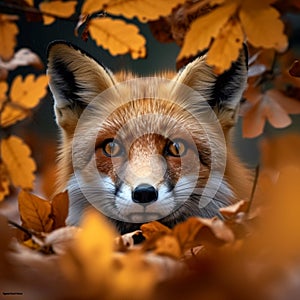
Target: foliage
<point x="252" y="251"/>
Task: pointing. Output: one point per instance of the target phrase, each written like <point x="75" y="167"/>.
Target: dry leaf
<point x="168" y="245"/>
<point x="91" y="6"/>
<point x="23" y="57"/>
<point x="118" y="37"/>
<point x="57" y="8"/>
<point x="226" y="47"/>
<point x="20" y="166"/>
<point x="59" y="211"/>
<point x="205" y="28"/>
<point x="262" y="25"/>
<point x="8" y="32"/>
<point x="35" y="212"/>
<point x="295" y="69"/>
<point x="24" y="95"/>
<point x="151" y="229"/>
<point x="3" y="91"/>
<point x="233" y="209"/>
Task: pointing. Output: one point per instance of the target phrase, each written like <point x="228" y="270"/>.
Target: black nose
<point x="144" y="193"/>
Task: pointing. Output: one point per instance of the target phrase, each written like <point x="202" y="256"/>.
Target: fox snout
<point x="144" y="194"/>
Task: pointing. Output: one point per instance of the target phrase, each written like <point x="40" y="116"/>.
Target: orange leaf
<point x="118" y="37"/>
<point x="8" y="32"/>
<point x="4" y="182"/>
<point x="234" y="209"/>
<point x="24" y="95"/>
<point x="262" y="25"/>
<point x="3" y="91"/>
<point x="143" y="10"/>
<point x="91" y="6"/>
<point x="57" y="8"/>
<point x="168" y="245"/>
<point x="151" y="229"/>
<point x="60" y="205"/>
<point x="226" y="47"/>
<point x="20" y="166"/>
<point x="204" y="29"/>
<point x="35" y="212"/>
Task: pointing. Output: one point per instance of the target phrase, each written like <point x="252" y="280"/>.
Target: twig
<point x="253" y="189"/>
<point x="20" y="228"/>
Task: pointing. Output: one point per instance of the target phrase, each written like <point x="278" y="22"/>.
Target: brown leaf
<point x="8" y="32"/>
<point x="59" y="212"/>
<point x="295" y="69"/>
<point x="4" y="182"/>
<point x="19" y="165"/>
<point x="35" y="212"/>
<point x="168" y="245"/>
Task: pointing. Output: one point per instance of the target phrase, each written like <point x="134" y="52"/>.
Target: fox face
<point x="143" y="149"/>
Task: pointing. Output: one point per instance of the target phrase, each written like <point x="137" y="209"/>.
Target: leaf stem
<point x="253" y="189"/>
<point x="20" y="228"/>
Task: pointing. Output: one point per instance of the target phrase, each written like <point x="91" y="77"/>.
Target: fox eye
<point x="112" y="148"/>
<point x="176" y="148"/>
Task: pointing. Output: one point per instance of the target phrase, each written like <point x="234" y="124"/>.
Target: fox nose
<point x="144" y="193"/>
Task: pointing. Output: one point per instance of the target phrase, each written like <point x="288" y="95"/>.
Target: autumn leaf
<point x="234" y="209"/>
<point x="204" y="29"/>
<point x="35" y="212"/>
<point x="168" y="245"/>
<point x="4" y="182"/>
<point x="3" y="97"/>
<point x="230" y="40"/>
<point x="272" y="106"/>
<point x="24" y="95"/>
<point x="20" y="166"/>
<point x="153" y="228"/>
<point x="8" y="32"/>
<point x="118" y="37"/>
<point x="59" y="209"/>
<point x="143" y="10"/>
<point x="57" y="8"/>
<point x="262" y="25"/>
<point x="295" y="69"/>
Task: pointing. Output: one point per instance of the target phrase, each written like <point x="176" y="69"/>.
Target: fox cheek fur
<point x="146" y="166"/>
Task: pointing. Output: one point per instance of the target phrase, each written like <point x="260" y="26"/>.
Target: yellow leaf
<point x="143" y="10"/>
<point x="20" y="166"/>
<point x="92" y="6"/>
<point x="28" y="92"/>
<point x="60" y="204"/>
<point x="204" y="29"/>
<point x="262" y="25"/>
<point x="118" y="37"/>
<point x="226" y="47"/>
<point x="4" y="182"/>
<point x="93" y="248"/>
<point x="35" y="212"/>
<point x="8" y="32"/>
<point x="57" y="8"/>
<point x="24" y="95"/>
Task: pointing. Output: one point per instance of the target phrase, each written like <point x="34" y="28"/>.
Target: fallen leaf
<point x="168" y="245"/>
<point x="233" y="209"/>
<point x="295" y="69"/>
<point x="151" y="229"/>
<point x="59" y="209"/>
<point x="118" y="37"/>
<point x="91" y="6"/>
<point x="35" y="213"/>
<point x="19" y="165"/>
<point x="8" y="32"/>
<point x="204" y="29"/>
<point x="3" y="91"/>
<point x="57" y="8"/>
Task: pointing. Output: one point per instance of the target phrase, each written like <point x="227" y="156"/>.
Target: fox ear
<point x="222" y="92"/>
<point x="75" y="80"/>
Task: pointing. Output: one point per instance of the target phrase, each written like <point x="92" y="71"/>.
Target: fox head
<point x="143" y="149"/>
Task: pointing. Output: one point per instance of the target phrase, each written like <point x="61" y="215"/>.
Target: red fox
<point x="149" y="148"/>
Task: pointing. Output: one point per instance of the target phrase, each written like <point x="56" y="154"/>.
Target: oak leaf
<point x="24" y="95"/>
<point x="118" y="37"/>
<point x="35" y="212"/>
<point x="19" y="165"/>
<point x="57" y="8"/>
<point x="91" y="6"/>
<point x="8" y="32"/>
